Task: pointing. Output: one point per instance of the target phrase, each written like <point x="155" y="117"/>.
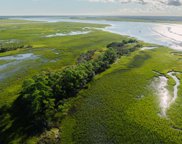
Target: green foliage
<point x="75" y="78"/>
<point x="122" y="43"/>
<point x="105" y="60"/>
<point x="37" y="100"/>
<point x="125" y="47"/>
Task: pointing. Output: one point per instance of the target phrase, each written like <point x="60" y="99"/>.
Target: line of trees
<point x="43" y="95"/>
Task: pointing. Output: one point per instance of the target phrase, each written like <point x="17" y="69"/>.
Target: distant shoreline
<point x="168" y="19"/>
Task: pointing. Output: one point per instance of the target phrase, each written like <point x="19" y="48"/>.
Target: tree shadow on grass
<point x="139" y="60"/>
<point x="16" y="124"/>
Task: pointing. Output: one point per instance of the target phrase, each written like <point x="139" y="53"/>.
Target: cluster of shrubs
<point x="125" y="47"/>
<point x="86" y="56"/>
<point x="12" y="46"/>
<point x="44" y="95"/>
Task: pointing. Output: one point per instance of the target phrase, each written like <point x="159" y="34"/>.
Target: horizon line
<point x="97" y="15"/>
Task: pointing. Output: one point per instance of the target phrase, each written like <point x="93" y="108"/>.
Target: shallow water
<point x="175" y="92"/>
<point x="163" y="92"/>
<point x="69" y="34"/>
<point x="148" y="48"/>
<point x="19" y="57"/>
<point x="14" y="64"/>
<point x="166" y="100"/>
<point x="163" y="34"/>
<point x="10" y="41"/>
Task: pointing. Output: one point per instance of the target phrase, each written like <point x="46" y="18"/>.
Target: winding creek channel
<point x="166" y="99"/>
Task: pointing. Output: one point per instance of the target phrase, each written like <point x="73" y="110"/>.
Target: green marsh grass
<point x="120" y="106"/>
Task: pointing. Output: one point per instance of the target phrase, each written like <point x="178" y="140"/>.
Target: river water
<point x="166" y="34"/>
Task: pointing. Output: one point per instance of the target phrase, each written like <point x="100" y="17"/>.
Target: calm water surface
<point x="158" y="33"/>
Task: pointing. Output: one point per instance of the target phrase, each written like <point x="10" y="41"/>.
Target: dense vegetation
<point x="43" y="96"/>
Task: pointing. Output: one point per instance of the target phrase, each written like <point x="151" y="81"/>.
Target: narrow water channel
<point x="166" y="99"/>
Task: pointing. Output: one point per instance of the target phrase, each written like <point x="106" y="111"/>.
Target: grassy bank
<point x="121" y="107"/>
